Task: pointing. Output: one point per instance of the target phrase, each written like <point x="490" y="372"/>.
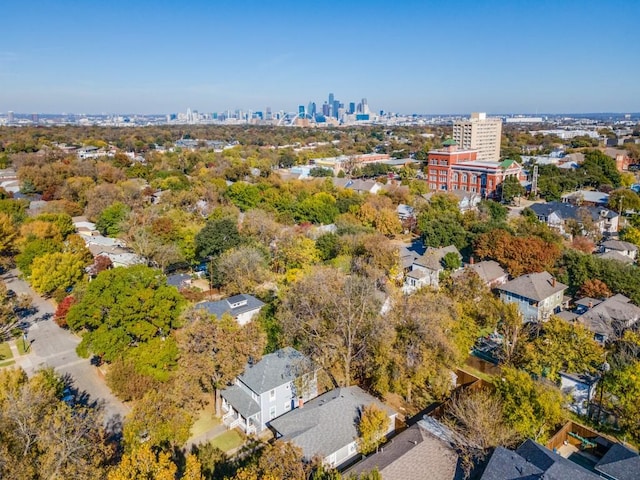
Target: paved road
<point x="55" y="347"/>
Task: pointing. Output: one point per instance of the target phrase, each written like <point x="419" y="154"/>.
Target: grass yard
<point x="228" y="440"/>
<point x="6" y="357"/>
<point x="20" y="344"/>
<point x="205" y="421"/>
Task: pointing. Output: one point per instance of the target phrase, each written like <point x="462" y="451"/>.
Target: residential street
<point x="55" y="347"/>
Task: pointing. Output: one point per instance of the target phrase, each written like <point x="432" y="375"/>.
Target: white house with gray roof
<point x="327" y="427"/>
<point x="538" y="295"/>
<point x="425" y="270"/>
<point x="275" y="385"/>
<point x="623" y="248"/>
<point x="608" y="319"/>
<point x="241" y="307"/>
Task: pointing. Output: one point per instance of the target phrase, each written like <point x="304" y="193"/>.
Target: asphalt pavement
<point x="50" y="345"/>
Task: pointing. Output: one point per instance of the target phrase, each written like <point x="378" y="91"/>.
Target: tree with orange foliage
<point x="583" y="244"/>
<point x="594" y="288"/>
<point x="519" y="255"/>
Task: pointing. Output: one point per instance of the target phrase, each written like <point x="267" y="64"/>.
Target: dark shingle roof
<point x="620" y="463"/>
<point x="275" y="369"/>
<point x="506" y="464"/>
<point x="221" y="307"/>
<point x="532" y="461"/>
<point x="568" y="211"/>
<point x="535" y="286"/>
<point x="328" y="422"/>
<point x="241" y="401"/>
<point x="178" y="279"/>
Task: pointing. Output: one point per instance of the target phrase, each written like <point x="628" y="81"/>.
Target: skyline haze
<point x="408" y="57"/>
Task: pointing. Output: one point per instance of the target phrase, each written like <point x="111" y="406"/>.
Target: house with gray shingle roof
<point x="275" y="385"/>
<point x="425" y="270"/>
<point x="241" y="307"/>
<point x="419" y="449"/>
<point x="557" y="214"/>
<point x="617" y="257"/>
<point x="624" y="248"/>
<point x="489" y="271"/>
<point x="327" y="426"/>
<point x="619" y="463"/>
<point x="608" y="319"/>
<point x="532" y="461"/>
<point x="538" y="295"/>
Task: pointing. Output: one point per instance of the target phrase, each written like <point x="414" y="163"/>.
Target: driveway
<point x="55" y="347"/>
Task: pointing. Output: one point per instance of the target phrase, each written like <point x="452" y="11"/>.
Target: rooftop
<point x="219" y="308"/>
<point x="408" y="455"/>
<point x="328" y="422"/>
<point x="275" y="369"/>
<point x="532" y="461"/>
<point x="534" y="286"/>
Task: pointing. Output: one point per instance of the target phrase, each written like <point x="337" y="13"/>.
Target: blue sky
<point x="158" y="56"/>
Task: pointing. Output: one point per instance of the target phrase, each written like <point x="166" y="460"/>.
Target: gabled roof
<point x="432" y="258"/>
<point x="275" y="369"/>
<point x="488" y="270"/>
<point x="588" y="302"/>
<point x="619" y="246"/>
<point x="407" y="257"/>
<point x="328" y="422"/>
<point x="178" y="280"/>
<point x="534" y="286"/>
<point x="221" y="307"/>
<point x="611" y="316"/>
<point x="241" y="401"/>
<point x="616" y="256"/>
<point x="532" y="461"/>
<point x="620" y="463"/>
<point x="410" y="454"/>
<point x="567" y="211"/>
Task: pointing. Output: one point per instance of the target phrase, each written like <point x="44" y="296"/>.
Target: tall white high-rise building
<point x="479" y="133"/>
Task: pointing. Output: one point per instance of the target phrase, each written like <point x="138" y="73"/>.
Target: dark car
<point x="11" y="294"/>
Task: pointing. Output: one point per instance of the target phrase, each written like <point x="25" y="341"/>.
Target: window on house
<point x="464" y="177"/>
<point x="272" y="412"/>
<point x="287" y="406"/>
<point x="352" y="448"/>
<point x="272" y="394"/>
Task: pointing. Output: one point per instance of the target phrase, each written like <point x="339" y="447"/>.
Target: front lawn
<point x="205" y="421"/>
<point x="228" y="440"/>
<point x="6" y="357"/>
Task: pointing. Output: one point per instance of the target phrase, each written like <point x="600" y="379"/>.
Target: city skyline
<point x="417" y="57"/>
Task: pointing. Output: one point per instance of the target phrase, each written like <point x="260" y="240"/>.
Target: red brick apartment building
<point x="453" y="169"/>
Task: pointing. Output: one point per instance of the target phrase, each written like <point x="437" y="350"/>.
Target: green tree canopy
<point x="532" y="408"/>
<point x="217" y="236"/>
<point x="127" y="312"/>
<point x="111" y="219"/>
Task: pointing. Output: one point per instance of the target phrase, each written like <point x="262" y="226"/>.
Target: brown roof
<point x="415" y="454"/>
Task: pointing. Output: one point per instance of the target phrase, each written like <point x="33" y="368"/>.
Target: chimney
<point x="300" y="402"/>
<point x="553" y="282"/>
<point x="471" y="260"/>
<point x="590" y="305"/>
